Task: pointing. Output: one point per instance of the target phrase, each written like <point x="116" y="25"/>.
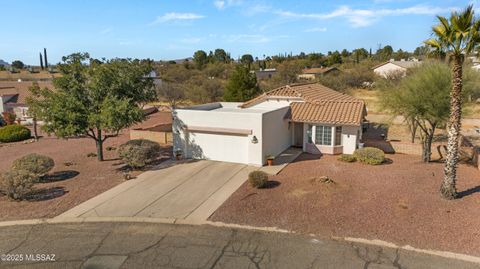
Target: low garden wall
<point x="161" y="134"/>
<point x="468" y="153"/>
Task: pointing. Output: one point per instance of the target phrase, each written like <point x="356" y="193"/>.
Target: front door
<point x="298" y="134"/>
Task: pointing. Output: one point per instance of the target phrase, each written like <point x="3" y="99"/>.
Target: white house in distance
<point x="309" y="116"/>
<point x="394" y="67"/>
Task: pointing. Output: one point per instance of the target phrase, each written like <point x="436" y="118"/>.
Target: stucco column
<point x="332" y="143"/>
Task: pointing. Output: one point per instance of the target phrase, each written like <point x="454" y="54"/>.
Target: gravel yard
<point x="74" y="179"/>
<point x="397" y="202"/>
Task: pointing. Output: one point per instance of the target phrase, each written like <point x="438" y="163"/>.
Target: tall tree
<point x="45" y="56"/>
<point x="171" y="92"/>
<point x="220" y="56"/>
<point x="41" y="61"/>
<point x="422" y="99"/>
<point x="247" y="59"/>
<point x="200" y="59"/>
<point x="96" y="100"/>
<point x="241" y="86"/>
<point x="457" y="36"/>
<point x="32" y="100"/>
<point x="18" y="64"/>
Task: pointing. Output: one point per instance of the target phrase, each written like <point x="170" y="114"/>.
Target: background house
<point x="312" y="73"/>
<point x="395" y="67"/>
<point x="265" y="73"/>
<point x="13" y="97"/>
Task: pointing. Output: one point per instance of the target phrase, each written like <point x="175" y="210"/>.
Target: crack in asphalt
<point x="27" y="236"/>
<point x="379" y="254"/>
<point x="224" y="249"/>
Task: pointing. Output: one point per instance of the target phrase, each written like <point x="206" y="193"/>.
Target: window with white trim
<point x="323" y="135"/>
<point x="338" y="136"/>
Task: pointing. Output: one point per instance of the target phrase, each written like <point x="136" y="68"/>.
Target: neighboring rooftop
<point x="12" y="88"/>
<point x="403" y="64"/>
<point x="319" y="70"/>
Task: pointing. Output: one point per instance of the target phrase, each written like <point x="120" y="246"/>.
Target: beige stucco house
<point x="312" y="117"/>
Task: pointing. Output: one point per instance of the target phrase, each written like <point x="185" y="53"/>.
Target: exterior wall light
<point x="254" y="140"/>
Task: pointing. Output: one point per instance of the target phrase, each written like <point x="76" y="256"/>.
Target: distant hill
<point x="177" y="61"/>
<point x="2" y="62"/>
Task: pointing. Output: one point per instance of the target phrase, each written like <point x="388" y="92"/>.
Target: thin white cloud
<point x="174" y="16"/>
<point x="251" y="38"/>
<point x="191" y="40"/>
<point x="219" y="4"/>
<point x="365" y="17"/>
<point x="257" y="8"/>
<point x="222" y="4"/>
<point x="317" y="29"/>
<point x="247" y="38"/>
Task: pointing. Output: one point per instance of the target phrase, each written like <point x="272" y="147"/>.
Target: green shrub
<point x="16" y="184"/>
<point x="369" y="155"/>
<point x="258" y="179"/>
<point x="14" y="133"/>
<point x="37" y="164"/>
<point x="349" y="158"/>
<point x="139" y="152"/>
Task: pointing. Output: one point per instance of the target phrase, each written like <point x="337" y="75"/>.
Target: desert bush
<point x="16" y="184"/>
<point x="349" y="158"/>
<point x="14" y="133"/>
<point x="139" y="152"/>
<point x="258" y="179"/>
<point x="37" y="164"/>
<point x="369" y="155"/>
<point x="9" y="117"/>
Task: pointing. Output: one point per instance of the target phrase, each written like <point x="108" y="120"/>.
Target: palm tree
<point x="458" y="37"/>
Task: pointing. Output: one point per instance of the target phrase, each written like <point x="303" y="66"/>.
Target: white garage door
<point x="218" y="147"/>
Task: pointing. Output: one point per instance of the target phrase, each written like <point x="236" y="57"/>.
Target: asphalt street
<point x="149" y="245"/>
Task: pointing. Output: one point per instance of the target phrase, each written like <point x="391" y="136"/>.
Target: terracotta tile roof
<point x="316" y="103"/>
<point x="330" y="112"/>
<point x="311" y="92"/>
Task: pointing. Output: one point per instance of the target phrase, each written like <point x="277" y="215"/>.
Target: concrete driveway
<point x="190" y="190"/>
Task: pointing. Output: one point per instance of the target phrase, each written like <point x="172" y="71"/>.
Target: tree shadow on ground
<point x="468" y="192"/>
<point x="46" y="194"/>
<point x="59" y="176"/>
<point x="387" y="161"/>
<point x="271" y="184"/>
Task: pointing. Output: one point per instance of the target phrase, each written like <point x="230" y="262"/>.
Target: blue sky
<point x="175" y="29"/>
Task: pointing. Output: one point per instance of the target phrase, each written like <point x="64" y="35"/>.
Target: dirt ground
<point x="397" y="202"/>
<point x="74" y="179"/>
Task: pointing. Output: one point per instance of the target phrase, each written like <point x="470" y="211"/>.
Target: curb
<point x="374" y="242"/>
